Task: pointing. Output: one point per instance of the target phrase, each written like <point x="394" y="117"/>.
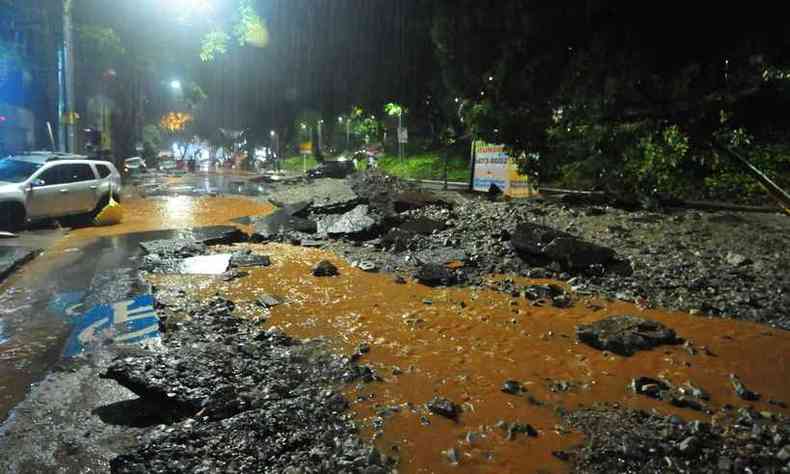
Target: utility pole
<point x="69" y="117"/>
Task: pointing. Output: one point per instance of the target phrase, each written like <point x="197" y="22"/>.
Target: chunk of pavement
<point x="537" y="241"/>
<point x="355" y="223"/>
<point x="433" y="275"/>
<point x="650" y="387"/>
<point x="443" y="407"/>
<point x="625" y="335"/>
<point x="246" y="258"/>
<point x="269" y="301"/>
<point x="513" y="387"/>
<point x="325" y="268"/>
<point x="741" y="390"/>
<point x="577" y="254"/>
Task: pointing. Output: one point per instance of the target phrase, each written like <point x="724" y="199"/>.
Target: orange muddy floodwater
<point x="175" y="212"/>
<point x="466" y="343"/>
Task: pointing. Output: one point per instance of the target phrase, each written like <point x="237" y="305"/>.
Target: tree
<point x="605" y="86"/>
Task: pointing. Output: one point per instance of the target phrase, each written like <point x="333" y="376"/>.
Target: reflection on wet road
<point x="464" y="344"/>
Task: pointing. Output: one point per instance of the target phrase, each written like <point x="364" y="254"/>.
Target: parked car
<point x="43" y="185"/>
<point x="134" y="166"/>
<point x="339" y="169"/>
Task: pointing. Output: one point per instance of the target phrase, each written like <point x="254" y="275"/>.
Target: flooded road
<point x="85" y="267"/>
<point x="464" y="344"/>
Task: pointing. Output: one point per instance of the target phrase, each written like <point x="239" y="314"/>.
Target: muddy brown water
<point x="464" y="343"/>
<point x="174" y="212"/>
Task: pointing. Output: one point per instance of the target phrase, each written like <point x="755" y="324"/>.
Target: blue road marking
<point x="126" y="322"/>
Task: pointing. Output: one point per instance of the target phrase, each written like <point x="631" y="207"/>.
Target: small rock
<point x="453" y="456"/>
<point x="736" y="259"/>
<point x="269" y="301"/>
<point x="325" y="269"/>
<point x="444" y="407"/>
<point x="366" y="266"/>
<point x="521" y="428"/>
<point x="513" y="387"/>
<point x="741" y="390"/>
<point x="625" y="335"/>
<point x="399" y="280"/>
<point x="561" y="455"/>
<point x="689" y="445"/>
<point x="649" y="387"/>
<point x="693" y="391"/>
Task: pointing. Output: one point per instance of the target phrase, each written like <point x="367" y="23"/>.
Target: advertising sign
<point x="494" y="166"/>
<point x="490" y="166"/>
<point x="306" y="148"/>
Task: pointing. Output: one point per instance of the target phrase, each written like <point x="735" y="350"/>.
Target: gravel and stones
<point x="678" y="259"/>
<point x="624" y="440"/>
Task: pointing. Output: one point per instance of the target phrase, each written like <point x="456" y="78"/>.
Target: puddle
<point x="463" y="344"/>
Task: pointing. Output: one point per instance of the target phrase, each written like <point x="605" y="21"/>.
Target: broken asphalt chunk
<point x="625" y="335"/>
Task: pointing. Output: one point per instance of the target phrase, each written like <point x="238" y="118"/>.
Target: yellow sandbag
<point x="111" y="214"/>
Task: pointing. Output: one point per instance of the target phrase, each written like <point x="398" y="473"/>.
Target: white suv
<point x="43" y="185"/>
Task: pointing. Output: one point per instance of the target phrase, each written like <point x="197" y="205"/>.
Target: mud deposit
<point x="511" y="365"/>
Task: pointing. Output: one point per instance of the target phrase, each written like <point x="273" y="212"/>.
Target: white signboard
<point x="403" y="135"/>
<point x="490" y="166"/>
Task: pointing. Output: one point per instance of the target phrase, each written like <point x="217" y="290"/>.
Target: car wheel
<point x="12" y="216"/>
